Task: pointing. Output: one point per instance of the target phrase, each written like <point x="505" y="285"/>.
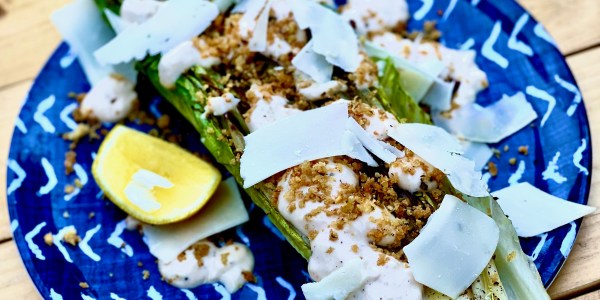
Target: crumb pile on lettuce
<point x="324" y="115"/>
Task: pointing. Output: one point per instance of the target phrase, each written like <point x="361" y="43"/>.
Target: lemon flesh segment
<point x="152" y="180"/>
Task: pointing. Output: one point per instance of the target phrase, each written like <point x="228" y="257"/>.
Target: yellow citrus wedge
<point x="153" y="181"/>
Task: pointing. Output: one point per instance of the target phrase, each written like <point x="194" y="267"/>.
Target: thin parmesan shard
<point x="489" y="124"/>
<point x="258" y="41"/>
<point x="339" y="284"/>
<point x="370" y="142"/>
<point x="533" y="211"/>
<point x="298" y="138"/>
<point x="159" y="34"/>
<point x="313" y="64"/>
<point x="453" y="248"/>
<point x="225" y="210"/>
<point x="333" y="36"/>
<point x="75" y="21"/>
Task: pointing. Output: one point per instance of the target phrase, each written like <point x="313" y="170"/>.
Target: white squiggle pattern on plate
<point x="260" y="292"/>
<point x="64" y="116"/>
<point x="306" y="275"/>
<point x="32" y="246"/>
<point x="449" y="9"/>
<point x="242" y="235"/>
<point x="21" y="175"/>
<point x="93" y="154"/>
<point x="551" y="171"/>
<point x="87" y="297"/>
<point x="21" y="125"/>
<point x="541" y="32"/>
<point x="539" y="247"/>
<point x="153" y="294"/>
<point x="14" y="225"/>
<point x="84" y="244"/>
<point x="39" y="116"/>
<point x="83" y="179"/>
<point x="52" y="181"/>
<point x="286" y="285"/>
<point x="225" y="295"/>
<point x="117" y="241"/>
<point x="189" y="294"/>
<point x="58" y="239"/>
<point x="567" y="243"/>
<point x="514" y="43"/>
<point x="116" y="297"/>
<point x="468" y="44"/>
<point x="543" y="95"/>
<point x="475" y="2"/>
<point x="488" y="47"/>
<point x="267" y="222"/>
<point x="423" y="10"/>
<point x="578" y="156"/>
<point x="516" y="176"/>
<point x="573" y="89"/>
<point x="68" y="59"/>
<point x="54" y="295"/>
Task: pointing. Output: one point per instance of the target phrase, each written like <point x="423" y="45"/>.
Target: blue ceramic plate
<point x="515" y="51"/>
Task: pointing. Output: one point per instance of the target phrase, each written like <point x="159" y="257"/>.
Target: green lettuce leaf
<point x="394" y="99"/>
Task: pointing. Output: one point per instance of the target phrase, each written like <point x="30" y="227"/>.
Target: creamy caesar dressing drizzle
<point x="390" y="278"/>
<point x="371" y="16"/>
<point x="204" y="262"/>
<point x="219" y="106"/>
<point x="110" y="100"/>
<point x="180" y="59"/>
<point x="459" y="64"/>
<point x="266" y="111"/>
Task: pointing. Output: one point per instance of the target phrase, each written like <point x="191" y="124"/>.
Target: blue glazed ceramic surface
<point x="515" y="51"/>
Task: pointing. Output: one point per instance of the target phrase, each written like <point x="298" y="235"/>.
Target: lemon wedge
<point x="153" y="181"/>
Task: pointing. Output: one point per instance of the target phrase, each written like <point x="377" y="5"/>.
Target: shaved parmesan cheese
<point x="251" y="10"/>
<point x="431" y="143"/>
<point x="333" y="36"/>
<point x="415" y="81"/>
<point x="339" y="284"/>
<point x="258" y="41"/>
<point x="489" y="124"/>
<point x="75" y="22"/>
<point x="223" y="5"/>
<point x="453" y="248"/>
<point x="443" y="151"/>
<point x="160" y="33"/>
<point x="370" y="142"/>
<point x="353" y="148"/>
<point x="533" y="211"/>
<point x="225" y="210"/>
<point x="313" y="64"/>
<point x="299" y="138"/>
<point x="439" y="96"/>
<point x="479" y="153"/>
<point x="116" y="22"/>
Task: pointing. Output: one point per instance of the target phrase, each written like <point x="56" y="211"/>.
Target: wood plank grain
<point x="27" y="38"/>
<point x="595" y="295"/>
<point x="581" y="271"/>
<point x="10" y="102"/>
<point x="14" y="280"/>
<point x="572" y="23"/>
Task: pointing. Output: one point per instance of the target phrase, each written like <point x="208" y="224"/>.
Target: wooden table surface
<point x="27" y="38"/>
